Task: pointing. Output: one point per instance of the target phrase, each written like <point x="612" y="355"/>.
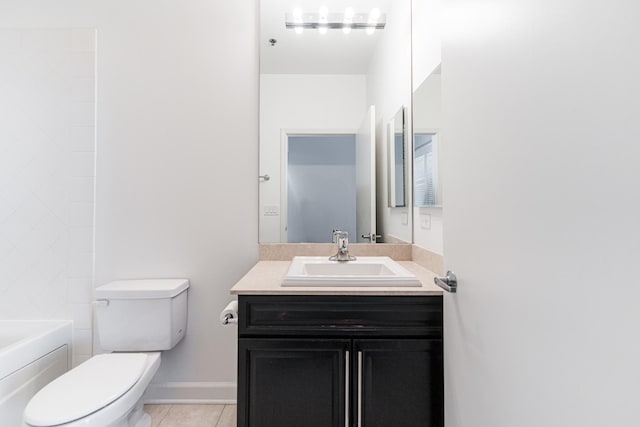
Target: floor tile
<point x="192" y="416"/>
<point x="228" y="417"/>
<point x="157" y="413"/>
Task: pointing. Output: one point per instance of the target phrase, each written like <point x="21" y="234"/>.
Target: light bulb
<point x="348" y="14"/>
<point x="323" y="12"/>
<point x="348" y="20"/>
<point x="297" y="19"/>
<point x="373" y="20"/>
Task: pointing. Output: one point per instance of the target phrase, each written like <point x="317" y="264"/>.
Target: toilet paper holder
<point x="229" y="318"/>
<point x="229" y="314"/>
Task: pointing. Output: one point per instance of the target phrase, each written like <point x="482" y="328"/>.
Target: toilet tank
<point x="141" y="315"/>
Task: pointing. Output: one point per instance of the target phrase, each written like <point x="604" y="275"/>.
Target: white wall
<point x="541" y="102"/>
<point x="177" y="150"/>
<point x="177" y="157"/>
<point x="47" y="147"/>
<point x="389" y="88"/>
<point x="302" y="103"/>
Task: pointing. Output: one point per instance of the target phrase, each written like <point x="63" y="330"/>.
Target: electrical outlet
<point x="271" y="210"/>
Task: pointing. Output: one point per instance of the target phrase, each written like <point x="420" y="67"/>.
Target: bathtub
<point x="32" y="354"/>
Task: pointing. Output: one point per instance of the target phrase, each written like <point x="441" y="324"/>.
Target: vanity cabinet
<point x="340" y="361"/>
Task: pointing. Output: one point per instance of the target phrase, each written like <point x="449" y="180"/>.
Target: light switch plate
<point x="425" y="221"/>
<point x="404" y="218"/>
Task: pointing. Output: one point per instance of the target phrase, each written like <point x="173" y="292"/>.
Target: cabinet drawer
<point x="397" y="316"/>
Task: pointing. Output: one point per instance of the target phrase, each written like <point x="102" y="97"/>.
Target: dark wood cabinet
<point x="340" y="361"/>
<point x="399" y="382"/>
<point x="292" y="382"/>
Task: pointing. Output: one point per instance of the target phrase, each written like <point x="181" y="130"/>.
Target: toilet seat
<point x="91" y="386"/>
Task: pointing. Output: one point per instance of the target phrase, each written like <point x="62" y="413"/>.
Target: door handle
<point x="359" y="389"/>
<point x="449" y="283"/>
<point x="372" y="237"/>
<point x="347" y="372"/>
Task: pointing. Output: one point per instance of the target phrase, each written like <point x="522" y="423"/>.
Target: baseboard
<point x="191" y="392"/>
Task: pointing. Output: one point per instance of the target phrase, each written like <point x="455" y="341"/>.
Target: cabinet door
<point x="398" y="383"/>
<point x="292" y="382"/>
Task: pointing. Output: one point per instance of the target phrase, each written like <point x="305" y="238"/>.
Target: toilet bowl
<point x="105" y="391"/>
<point x="108" y="390"/>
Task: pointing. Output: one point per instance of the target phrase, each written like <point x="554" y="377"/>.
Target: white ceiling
<point x="312" y="52"/>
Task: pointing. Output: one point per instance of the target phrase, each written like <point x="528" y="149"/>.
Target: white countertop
<point x="265" y="278"/>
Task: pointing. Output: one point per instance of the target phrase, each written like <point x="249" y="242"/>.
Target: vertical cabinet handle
<point x="346" y="388"/>
<point x="359" y="389"/>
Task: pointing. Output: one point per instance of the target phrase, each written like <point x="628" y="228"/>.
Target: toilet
<point x="136" y="320"/>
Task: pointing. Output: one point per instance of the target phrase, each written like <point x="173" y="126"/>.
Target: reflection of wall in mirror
<point x="428" y="230"/>
<point x="427" y="121"/>
<point x="427" y="105"/>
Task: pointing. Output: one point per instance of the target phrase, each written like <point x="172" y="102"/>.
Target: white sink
<point x="364" y="271"/>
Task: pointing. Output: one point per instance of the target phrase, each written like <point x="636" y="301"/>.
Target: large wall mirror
<point x="333" y="73"/>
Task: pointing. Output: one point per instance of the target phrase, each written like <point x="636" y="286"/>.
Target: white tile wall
<point x="47" y="170"/>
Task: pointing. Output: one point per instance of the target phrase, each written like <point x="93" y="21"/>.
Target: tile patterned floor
<point x="192" y="415"/>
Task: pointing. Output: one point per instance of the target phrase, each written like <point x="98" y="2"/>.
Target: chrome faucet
<point x="342" y="239"/>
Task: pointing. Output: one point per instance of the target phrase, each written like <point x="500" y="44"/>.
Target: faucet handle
<point x="338" y="234"/>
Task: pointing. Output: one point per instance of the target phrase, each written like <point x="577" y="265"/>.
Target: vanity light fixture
<point x="297" y="19"/>
<point x="373" y="19"/>
<point x="347" y="21"/>
<point x="323" y="13"/>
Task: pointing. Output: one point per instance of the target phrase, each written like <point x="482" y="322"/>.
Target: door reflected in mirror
<point x="397" y="157"/>
<point x="427" y="112"/>
<point x="320" y="187"/>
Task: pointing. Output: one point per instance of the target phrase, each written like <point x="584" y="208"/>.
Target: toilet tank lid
<point x="142" y="289"/>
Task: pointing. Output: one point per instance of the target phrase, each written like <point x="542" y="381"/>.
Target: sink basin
<point x="364" y="271"/>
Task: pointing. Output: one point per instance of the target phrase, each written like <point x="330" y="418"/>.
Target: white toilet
<point x="133" y="316"/>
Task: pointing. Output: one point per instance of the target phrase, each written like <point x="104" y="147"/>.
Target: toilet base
<point x="137" y="417"/>
<point x="145" y="421"/>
